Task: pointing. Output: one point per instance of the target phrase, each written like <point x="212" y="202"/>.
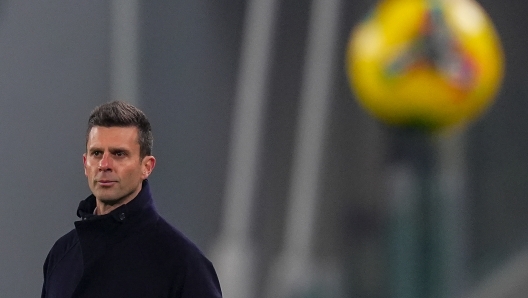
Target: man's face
<point x="113" y="166"/>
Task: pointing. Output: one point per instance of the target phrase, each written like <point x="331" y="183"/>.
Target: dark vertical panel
<point x="280" y="125"/>
<point x="189" y="56"/>
<point x="53" y="71"/>
<point x="353" y="208"/>
<point x="497" y="152"/>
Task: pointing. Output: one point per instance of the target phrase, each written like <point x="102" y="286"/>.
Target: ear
<point x="148" y="163"/>
<point x="84" y="164"/>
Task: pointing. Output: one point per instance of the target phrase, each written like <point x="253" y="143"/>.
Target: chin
<point x="108" y="197"/>
<point x="110" y="200"/>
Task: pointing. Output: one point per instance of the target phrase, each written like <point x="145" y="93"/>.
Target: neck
<point x="103" y="208"/>
<point x="106" y="206"/>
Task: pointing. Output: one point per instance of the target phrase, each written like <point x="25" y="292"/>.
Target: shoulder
<point x="199" y="277"/>
<point x="171" y="238"/>
<point x="174" y="247"/>
<point x="65" y="243"/>
<point x="61" y="247"/>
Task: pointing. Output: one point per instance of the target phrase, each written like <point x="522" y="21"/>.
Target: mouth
<point x="106" y="183"/>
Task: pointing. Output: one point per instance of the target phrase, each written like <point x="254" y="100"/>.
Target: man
<point x="121" y="247"/>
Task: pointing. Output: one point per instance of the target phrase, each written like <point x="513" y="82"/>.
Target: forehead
<point x="114" y="136"/>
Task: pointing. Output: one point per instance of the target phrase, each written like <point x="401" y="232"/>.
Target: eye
<point x="120" y="153"/>
<point x="96" y="153"/>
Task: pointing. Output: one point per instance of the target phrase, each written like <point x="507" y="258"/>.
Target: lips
<point x="106" y="182"/>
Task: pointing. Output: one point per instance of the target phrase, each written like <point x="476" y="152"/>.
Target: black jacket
<point x="130" y="252"/>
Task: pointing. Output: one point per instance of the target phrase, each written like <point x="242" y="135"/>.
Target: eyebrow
<point x="118" y="149"/>
<point x="111" y="149"/>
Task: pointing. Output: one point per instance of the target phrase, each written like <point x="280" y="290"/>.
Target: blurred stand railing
<point x="295" y="271"/>
<point x="125" y="51"/>
<point x="234" y="253"/>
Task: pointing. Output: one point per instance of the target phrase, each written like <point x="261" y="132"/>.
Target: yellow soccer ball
<point x="427" y="64"/>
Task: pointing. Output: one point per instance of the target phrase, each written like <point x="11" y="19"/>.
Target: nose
<point x="105" y="163"/>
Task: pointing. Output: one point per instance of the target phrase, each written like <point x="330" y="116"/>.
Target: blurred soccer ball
<point x="427" y="64"/>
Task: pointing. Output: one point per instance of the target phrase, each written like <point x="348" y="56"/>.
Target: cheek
<point x="89" y="168"/>
<point x="132" y="171"/>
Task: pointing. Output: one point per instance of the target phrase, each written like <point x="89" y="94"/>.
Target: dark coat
<point x="130" y="252"/>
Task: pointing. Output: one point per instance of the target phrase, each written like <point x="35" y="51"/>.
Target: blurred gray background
<point x="59" y="59"/>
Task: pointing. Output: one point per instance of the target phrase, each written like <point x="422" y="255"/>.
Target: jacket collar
<point x="86" y="208"/>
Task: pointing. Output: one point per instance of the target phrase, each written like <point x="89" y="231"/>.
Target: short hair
<point x="122" y="114"/>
